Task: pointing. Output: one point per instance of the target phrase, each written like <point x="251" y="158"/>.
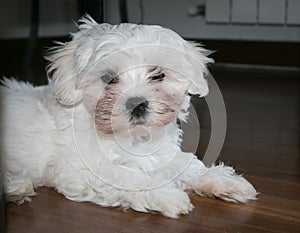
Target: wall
<point x="57" y="18"/>
<point x="174" y="14"/>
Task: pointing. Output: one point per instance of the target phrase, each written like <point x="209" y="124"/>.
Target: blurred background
<point x="261" y="32"/>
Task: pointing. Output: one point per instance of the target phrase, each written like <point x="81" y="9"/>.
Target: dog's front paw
<point x="222" y="182"/>
<point x="169" y="202"/>
<point x="235" y="189"/>
<point x="175" y="204"/>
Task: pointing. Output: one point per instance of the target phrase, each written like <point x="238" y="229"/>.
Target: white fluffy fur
<point x="50" y="139"/>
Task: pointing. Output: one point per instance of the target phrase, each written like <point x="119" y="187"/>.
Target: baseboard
<point x="236" y="53"/>
<point x="253" y="52"/>
<point x="256" y="67"/>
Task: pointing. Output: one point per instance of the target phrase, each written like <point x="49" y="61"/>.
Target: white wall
<point x="57" y="19"/>
<point x="173" y="14"/>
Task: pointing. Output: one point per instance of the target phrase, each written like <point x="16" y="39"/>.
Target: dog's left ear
<point x="197" y="58"/>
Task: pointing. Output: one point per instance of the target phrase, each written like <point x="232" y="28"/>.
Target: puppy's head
<point x="128" y="75"/>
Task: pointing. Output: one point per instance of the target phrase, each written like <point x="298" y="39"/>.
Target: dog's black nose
<point x="137" y="106"/>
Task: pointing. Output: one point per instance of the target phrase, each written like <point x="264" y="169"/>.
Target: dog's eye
<point x="110" y="78"/>
<point x="158" y="77"/>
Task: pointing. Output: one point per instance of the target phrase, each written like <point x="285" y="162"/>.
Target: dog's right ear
<point x="62" y="69"/>
<point x="68" y="60"/>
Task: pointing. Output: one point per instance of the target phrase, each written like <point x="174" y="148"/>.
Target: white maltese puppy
<point x="104" y="129"/>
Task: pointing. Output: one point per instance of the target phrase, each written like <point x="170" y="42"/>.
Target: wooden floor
<point x="262" y="142"/>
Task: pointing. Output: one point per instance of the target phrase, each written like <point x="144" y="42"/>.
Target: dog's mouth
<point x="138" y="121"/>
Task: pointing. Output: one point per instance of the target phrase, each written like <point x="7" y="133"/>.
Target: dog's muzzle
<point x="137" y="107"/>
